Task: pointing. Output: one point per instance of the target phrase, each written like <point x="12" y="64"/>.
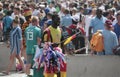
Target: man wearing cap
<point x="109" y="38"/>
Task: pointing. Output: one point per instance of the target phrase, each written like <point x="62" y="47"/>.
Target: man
<point x="61" y="14"/>
<point x="32" y="38"/>
<point x="55" y="31"/>
<point x="27" y="14"/>
<point x="117" y="26"/>
<point x="35" y="11"/>
<point x="7" y="26"/>
<point x="110" y="38"/>
<point x="51" y="7"/>
<point x="66" y="20"/>
<point x="97" y="23"/>
<point x="53" y="34"/>
<point x="6" y="8"/>
<point x="49" y="19"/>
<point x="17" y="11"/>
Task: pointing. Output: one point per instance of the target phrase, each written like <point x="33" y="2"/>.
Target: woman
<point x="110" y="38"/>
<point x="15" y="44"/>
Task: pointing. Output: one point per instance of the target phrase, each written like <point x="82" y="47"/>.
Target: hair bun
<point x="16" y="17"/>
<point x="16" y="20"/>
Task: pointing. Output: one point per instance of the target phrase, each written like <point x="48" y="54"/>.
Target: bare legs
<point x="24" y="53"/>
<point x="12" y="59"/>
<point x="20" y="61"/>
<point x="28" y="66"/>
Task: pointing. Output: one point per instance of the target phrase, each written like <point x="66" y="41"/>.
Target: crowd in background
<point x="71" y="16"/>
<point x="70" y="12"/>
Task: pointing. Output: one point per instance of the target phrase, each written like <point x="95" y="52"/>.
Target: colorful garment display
<point x="53" y="60"/>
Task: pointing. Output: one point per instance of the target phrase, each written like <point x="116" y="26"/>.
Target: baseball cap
<point x="108" y="23"/>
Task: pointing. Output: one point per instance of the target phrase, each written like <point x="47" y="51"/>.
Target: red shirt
<point x="75" y="27"/>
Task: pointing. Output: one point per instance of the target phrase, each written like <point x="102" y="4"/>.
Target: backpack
<point x="96" y="42"/>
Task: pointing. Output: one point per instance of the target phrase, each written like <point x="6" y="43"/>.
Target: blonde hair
<point x="17" y="19"/>
<point x="35" y="18"/>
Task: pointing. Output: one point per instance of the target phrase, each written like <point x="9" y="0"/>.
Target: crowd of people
<point x="24" y="24"/>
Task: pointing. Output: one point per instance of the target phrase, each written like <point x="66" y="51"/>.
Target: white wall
<point x="93" y="66"/>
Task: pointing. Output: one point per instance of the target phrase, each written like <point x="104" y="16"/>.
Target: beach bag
<point x="96" y="42"/>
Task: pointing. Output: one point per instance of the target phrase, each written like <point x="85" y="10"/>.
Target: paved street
<point x="89" y="66"/>
<point x="13" y="75"/>
<point x="82" y="27"/>
<point x="77" y="66"/>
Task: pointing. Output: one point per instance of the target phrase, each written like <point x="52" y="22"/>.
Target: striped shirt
<point x="15" y="39"/>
